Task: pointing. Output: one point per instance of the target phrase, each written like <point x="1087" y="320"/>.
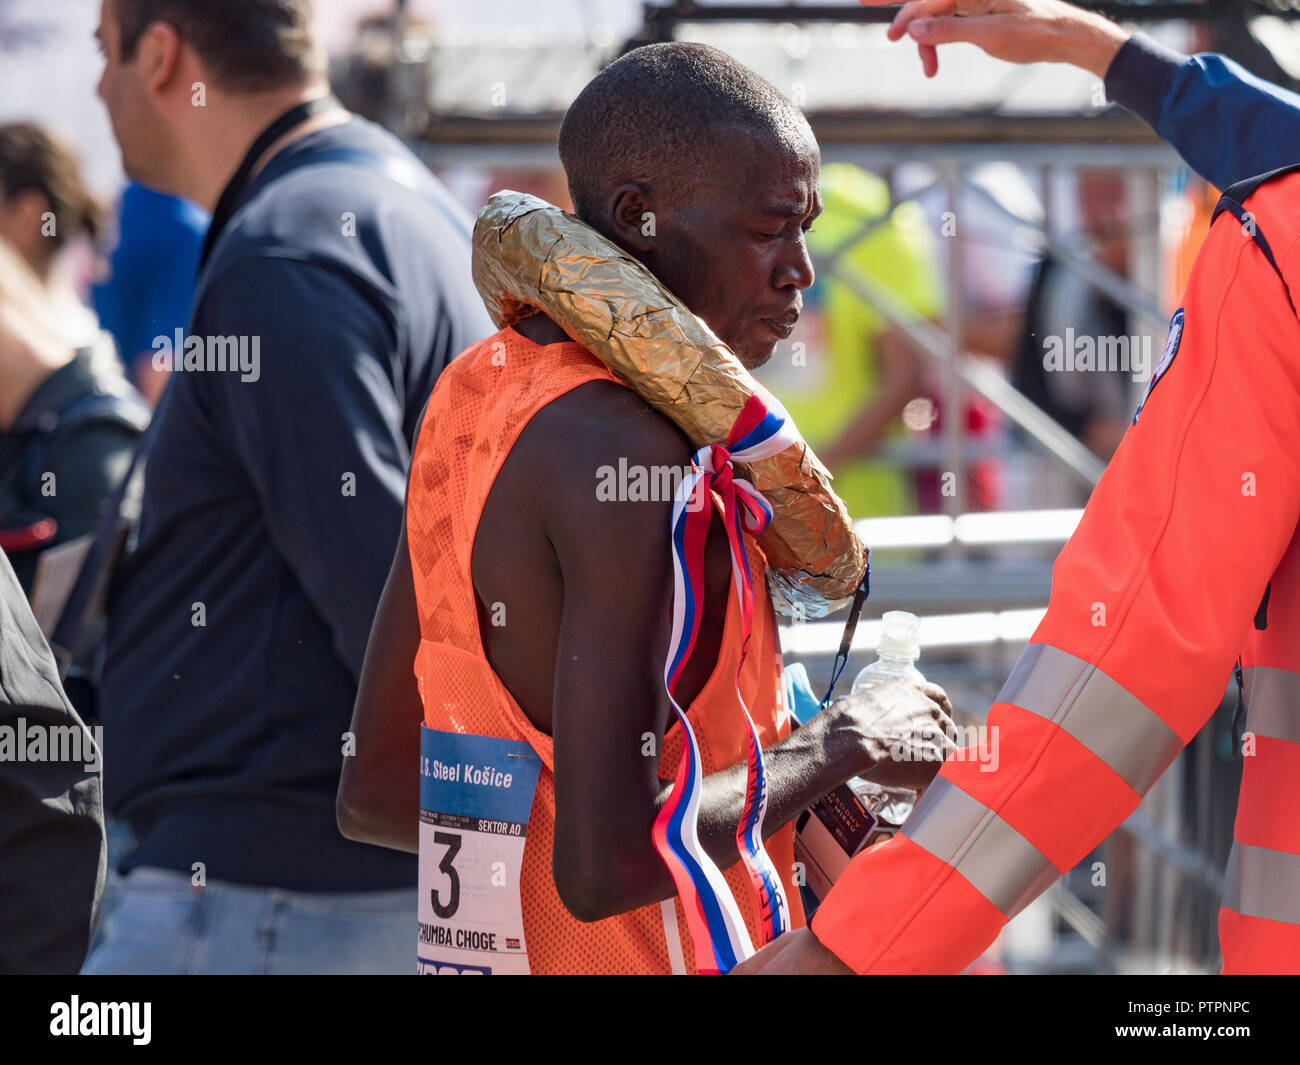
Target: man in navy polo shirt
<point x="334" y="287"/>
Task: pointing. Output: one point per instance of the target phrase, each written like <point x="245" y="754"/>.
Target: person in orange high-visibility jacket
<point x="1186" y="562"/>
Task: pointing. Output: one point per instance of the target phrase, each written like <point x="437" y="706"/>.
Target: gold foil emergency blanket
<point x="529" y="256"/>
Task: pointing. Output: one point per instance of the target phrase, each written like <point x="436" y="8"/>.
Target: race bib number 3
<point x="476" y="793"/>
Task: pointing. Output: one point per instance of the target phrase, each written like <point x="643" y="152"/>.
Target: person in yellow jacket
<point x="847" y="393"/>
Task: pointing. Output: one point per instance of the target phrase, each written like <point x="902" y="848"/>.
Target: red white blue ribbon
<point x="717" y="927"/>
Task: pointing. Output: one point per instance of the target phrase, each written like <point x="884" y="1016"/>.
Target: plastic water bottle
<point x="896" y="655"/>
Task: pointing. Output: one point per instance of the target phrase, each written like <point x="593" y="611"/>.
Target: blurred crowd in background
<point x="127" y="269"/>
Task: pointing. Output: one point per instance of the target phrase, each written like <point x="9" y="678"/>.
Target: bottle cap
<point x="900" y="634"/>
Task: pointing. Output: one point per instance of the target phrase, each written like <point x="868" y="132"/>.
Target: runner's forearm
<point x="802" y="768"/>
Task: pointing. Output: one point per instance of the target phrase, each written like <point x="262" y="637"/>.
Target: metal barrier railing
<point x="941" y="344"/>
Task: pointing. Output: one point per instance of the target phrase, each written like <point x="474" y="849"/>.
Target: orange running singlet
<point x="478" y="409"/>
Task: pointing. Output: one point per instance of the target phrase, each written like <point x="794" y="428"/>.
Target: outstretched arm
<point x="1019" y="31"/>
<point x="1225" y="122"/>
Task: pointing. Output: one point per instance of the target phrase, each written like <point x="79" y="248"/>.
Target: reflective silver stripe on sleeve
<point x="998" y="861"/>
<point x="1096" y="710"/>
<point x="1272" y="702"/>
<point x="1261" y="882"/>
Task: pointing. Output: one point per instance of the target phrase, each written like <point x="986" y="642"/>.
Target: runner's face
<point x="732" y="246"/>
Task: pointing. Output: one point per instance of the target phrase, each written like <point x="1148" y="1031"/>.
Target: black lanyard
<point x="287" y="122"/>
<point x="850" y="627"/>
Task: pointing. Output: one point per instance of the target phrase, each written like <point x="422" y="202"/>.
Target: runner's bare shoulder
<point x="596" y="425"/>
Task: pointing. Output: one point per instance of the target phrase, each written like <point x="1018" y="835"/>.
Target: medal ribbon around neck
<point x="717" y="929"/>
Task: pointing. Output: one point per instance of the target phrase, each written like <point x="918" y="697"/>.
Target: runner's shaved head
<point x="701" y="170"/>
<point x="656" y="114"/>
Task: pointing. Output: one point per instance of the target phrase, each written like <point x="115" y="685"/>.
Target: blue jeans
<point x="155" y="921"/>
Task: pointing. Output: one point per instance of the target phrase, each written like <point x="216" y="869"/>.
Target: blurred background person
<point x="1095" y="406"/>
<point x="51" y="219"/>
<point x="69" y="421"/>
<point x="152" y="271"/>
<point x="988" y="226"/>
<point x="51" y="812"/>
<point x="847" y="379"/>
<point x="1095" y="403"/>
<point x="272" y="497"/>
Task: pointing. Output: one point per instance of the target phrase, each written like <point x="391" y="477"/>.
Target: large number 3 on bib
<point x="476" y="794"/>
